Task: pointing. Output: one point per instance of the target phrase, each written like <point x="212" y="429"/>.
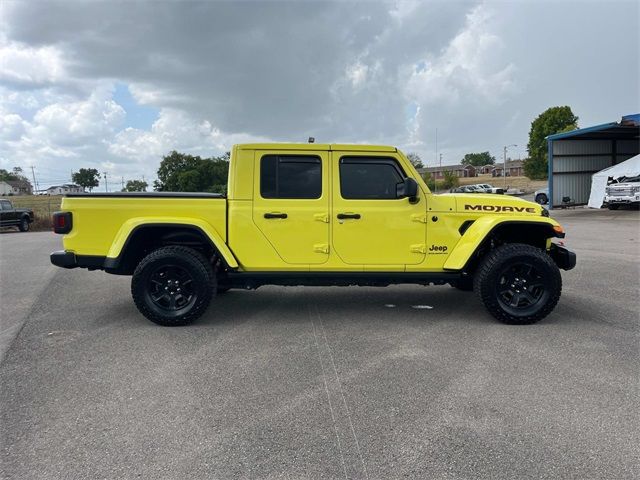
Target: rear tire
<point x="173" y="285"/>
<point x="518" y="284"/>
<point x="24" y="225"/>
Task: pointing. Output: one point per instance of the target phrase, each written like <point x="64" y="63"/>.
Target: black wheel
<point x="173" y="285"/>
<point x="542" y="199"/>
<point x="465" y="284"/>
<point x="24" y="225"/>
<point x="613" y="206"/>
<point x="518" y="284"/>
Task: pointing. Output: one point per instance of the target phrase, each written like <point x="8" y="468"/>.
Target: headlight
<point x="607" y="190"/>
<point x="544" y="212"/>
<point x="635" y="189"/>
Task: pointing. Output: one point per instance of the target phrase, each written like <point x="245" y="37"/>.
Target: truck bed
<point x="102" y="222"/>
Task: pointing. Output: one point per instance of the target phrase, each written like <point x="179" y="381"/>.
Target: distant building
<point x="515" y="168"/>
<point x="64" y="189"/>
<point x="15" y="187"/>
<point x="458" y="170"/>
<point x="486" y="168"/>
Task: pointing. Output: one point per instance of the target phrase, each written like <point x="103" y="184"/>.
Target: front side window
<point x="369" y="178"/>
<point x="290" y="176"/>
<point x="6" y="206"/>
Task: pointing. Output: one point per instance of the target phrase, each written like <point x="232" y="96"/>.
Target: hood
<point x="500" y="204"/>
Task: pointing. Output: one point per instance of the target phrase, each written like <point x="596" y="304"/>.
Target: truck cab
<point x="316" y="214"/>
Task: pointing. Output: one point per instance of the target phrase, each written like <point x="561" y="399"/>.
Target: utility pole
<point x="33" y="172"/>
<point x="106" y="182"/>
<point x="435" y="184"/>
<point x="122" y="183"/>
<point x="504" y="167"/>
<point x="436" y="144"/>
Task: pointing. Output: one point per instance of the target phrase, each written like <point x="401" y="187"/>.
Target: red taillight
<point x="62" y="222"/>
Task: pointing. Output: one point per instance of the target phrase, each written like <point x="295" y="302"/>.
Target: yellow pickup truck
<point x="313" y="214"/>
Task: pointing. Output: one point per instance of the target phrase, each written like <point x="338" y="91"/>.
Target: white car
<point x="486" y="188"/>
<point x="542" y="196"/>
<point x="625" y="192"/>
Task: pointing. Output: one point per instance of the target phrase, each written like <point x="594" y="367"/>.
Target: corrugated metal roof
<point x="628" y="126"/>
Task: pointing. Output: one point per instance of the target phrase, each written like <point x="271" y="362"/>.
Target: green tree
<point x="15" y="175"/>
<point x="179" y="172"/>
<point x="478" y="159"/>
<point x="415" y="160"/>
<point x="135" y="186"/>
<point x="429" y="180"/>
<point x="553" y="120"/>
<point x="450" y="179"/>
<point x="86" y="178"/>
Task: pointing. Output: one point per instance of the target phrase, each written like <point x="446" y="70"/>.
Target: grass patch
<point x="43" y="207"/>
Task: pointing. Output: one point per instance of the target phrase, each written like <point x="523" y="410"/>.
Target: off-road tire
<point x="465" y="284"/>
<point x="613" y="206"/>
<point x="24" y="224"/>
<point x="492" y="272"/>
<point x="202" y="284"/>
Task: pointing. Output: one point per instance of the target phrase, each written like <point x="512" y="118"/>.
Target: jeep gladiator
<point x="312" y="214"/>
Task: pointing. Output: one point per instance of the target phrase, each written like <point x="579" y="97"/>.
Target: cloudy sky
<point x="116" y="85"/>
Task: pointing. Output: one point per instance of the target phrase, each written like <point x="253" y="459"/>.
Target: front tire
<point x="542" y="199"/>
<point x="24" y="225"/>
<point x="173" y="285"/>
<point x="518" y="284"/>
<point x="613" y="206"/>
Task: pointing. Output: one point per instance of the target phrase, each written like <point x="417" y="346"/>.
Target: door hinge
<point x="418" y="248"/>
<point x="321" y="248"/>
<point x="417" y="217"/>
<point x="321" y="217"/>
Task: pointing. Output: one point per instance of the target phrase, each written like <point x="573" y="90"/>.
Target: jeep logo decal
<point x="500" y="208"/>
<point x="438" y="248"/>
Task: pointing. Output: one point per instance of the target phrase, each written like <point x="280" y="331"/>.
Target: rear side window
<point x="290" y="176"/>
<point x="6" y="206"/>
<point x="369" y="178"/>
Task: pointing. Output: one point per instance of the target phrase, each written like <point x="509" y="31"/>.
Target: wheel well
<point x="143" y="240"/>
<point x="528" y="233"/>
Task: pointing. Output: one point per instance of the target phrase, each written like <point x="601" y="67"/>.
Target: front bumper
<point x="622" y="199"/>
<point x="563" y="257"/>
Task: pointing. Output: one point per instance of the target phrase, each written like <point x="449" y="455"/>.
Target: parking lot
<point x="404" y="381"/>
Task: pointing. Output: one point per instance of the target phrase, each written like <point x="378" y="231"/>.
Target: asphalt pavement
<point x="284" y="382"/>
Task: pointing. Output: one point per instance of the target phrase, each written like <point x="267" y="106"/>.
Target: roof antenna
<point x="311" y="139"/>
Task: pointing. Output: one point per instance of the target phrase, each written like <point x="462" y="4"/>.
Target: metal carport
<point x="575" y="156"/>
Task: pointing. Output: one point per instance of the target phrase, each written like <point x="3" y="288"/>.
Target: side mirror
<point x="407" y="189"/>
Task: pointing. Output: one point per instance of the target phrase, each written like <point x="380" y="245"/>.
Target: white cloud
<point x="175" y="130"/>
<point x="469" y="70"/>
<point x="75" y="122"/>
<point x="25" y="66"/>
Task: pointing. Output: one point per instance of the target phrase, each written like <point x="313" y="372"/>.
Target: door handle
<point x="342" y="216"/>
<point x="275" y="215"/>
